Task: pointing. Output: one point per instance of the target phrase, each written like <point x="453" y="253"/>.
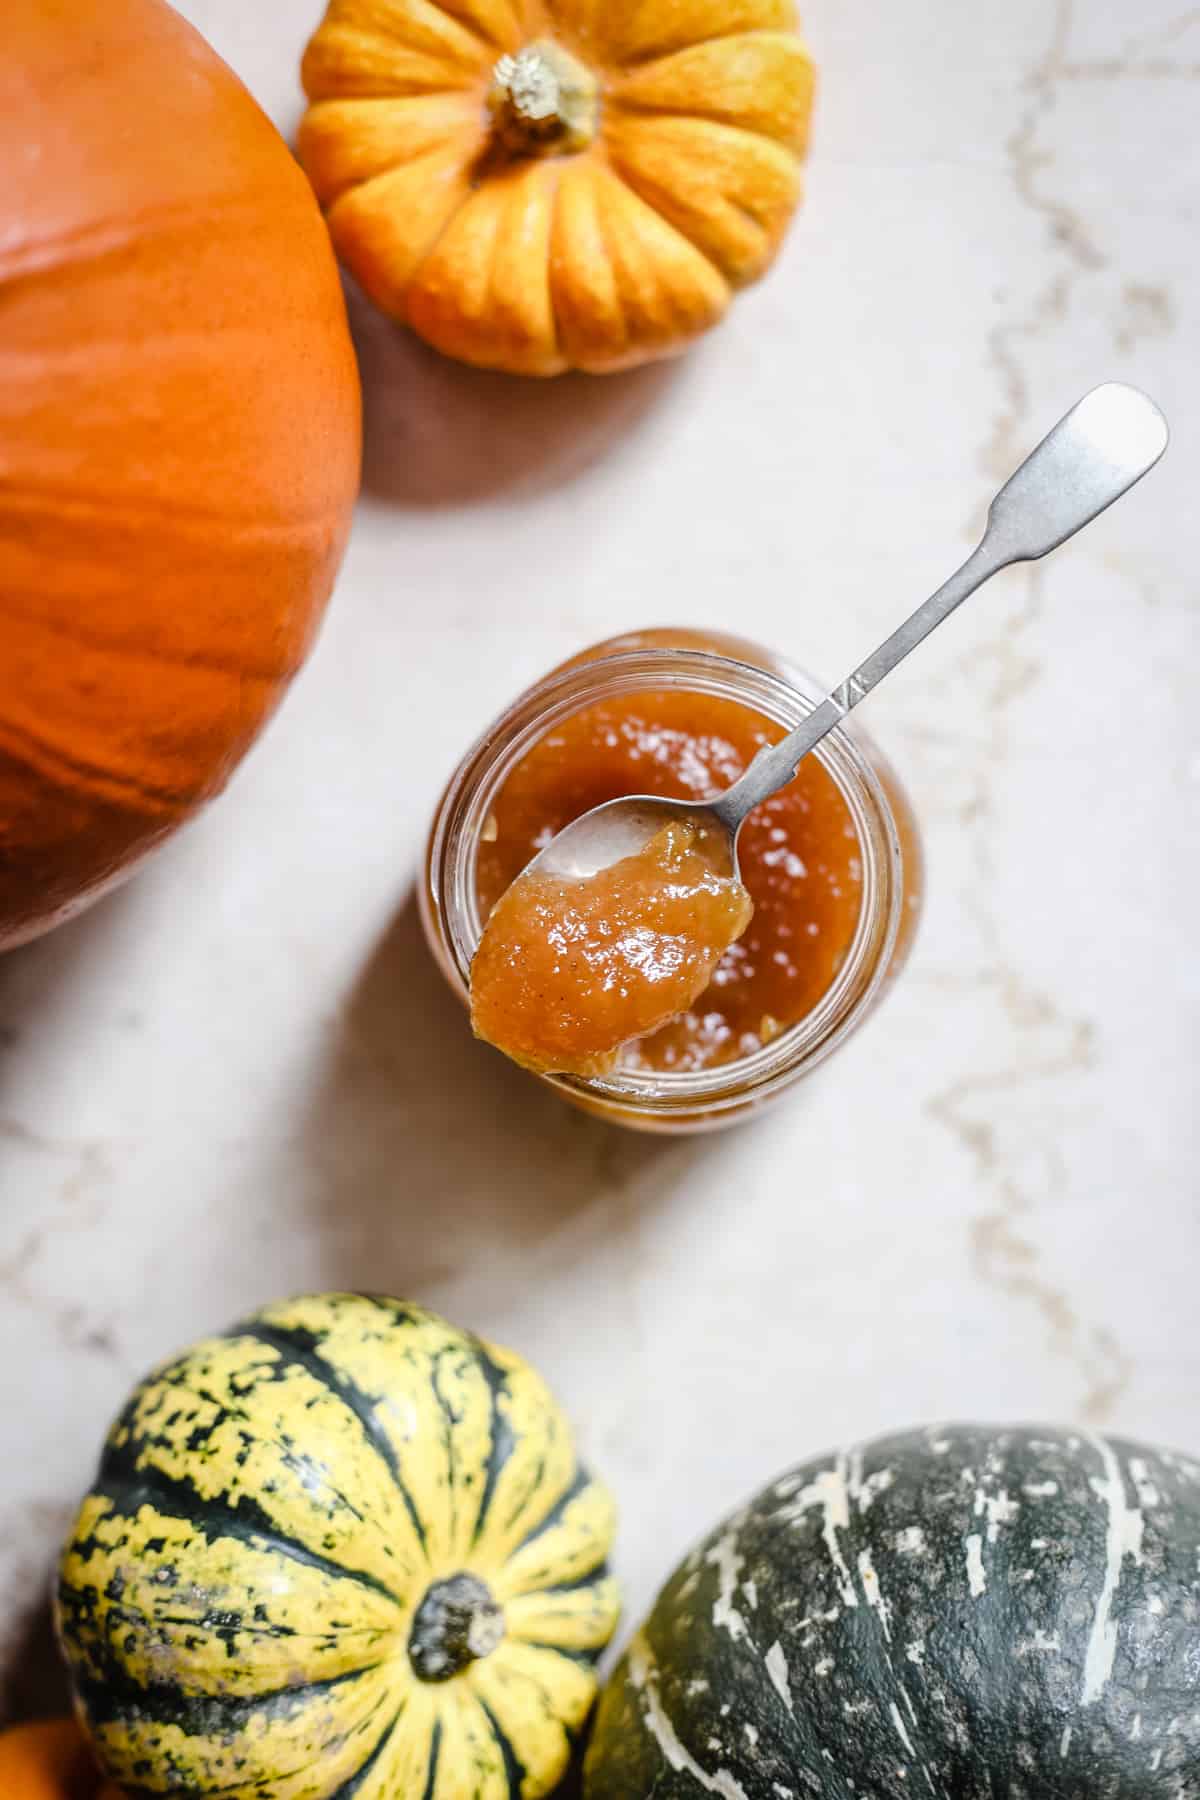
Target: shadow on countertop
<point x="438" y="433"/>
<point x="431" y="1159"/>
<point x="35" y="1679"/>
<point x="425" y="1161"/>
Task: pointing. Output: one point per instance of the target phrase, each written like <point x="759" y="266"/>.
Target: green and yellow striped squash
<point x="342" y="1552"/>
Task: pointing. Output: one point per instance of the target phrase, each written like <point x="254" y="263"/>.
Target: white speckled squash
<point x="959" y="1613"/>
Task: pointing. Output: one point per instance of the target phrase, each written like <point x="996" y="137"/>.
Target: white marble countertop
<point x="240" y="1076"/>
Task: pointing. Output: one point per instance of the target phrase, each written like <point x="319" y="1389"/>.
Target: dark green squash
<point x="959" y="1613"/>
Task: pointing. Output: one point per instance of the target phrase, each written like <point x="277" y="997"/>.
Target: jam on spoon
<point x="571" y="968"/>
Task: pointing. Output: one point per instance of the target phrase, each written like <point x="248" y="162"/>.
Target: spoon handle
<point x="1096" y="452"/>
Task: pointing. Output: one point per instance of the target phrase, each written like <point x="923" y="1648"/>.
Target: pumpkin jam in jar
<point x="832" y="864"/>
<point x="801" y="866"/>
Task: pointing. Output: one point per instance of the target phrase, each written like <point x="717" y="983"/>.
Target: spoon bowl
<point x="620" y="828"/>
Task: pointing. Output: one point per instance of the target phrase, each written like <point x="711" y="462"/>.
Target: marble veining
<point x="241" y="1077"/>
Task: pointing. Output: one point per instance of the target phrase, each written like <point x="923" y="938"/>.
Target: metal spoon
<point x="1096" y="453"/>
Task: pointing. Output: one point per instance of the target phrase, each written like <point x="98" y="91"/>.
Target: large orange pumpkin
<point x="179" y="437"/>
<point x="50" y="1761"/>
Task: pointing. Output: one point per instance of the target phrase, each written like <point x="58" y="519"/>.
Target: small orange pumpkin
<point x="50" y="1761"/>
<point x="179" y="437"/>
<point x="536" y="185"/>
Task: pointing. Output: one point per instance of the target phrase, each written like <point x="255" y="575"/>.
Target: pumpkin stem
<point x="543" y="102"/>
<point x="457" y="1623"/>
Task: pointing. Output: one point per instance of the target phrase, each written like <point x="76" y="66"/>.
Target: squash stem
<point x="543" y="102"/>
<point x="456" y="1624"/>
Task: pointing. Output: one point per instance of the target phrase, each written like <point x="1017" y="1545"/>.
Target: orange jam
<point x="801" y="862"/>
<point x="570" y="969"/>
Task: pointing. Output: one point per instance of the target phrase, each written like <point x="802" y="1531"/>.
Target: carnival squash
<point x="959" y="1613"/>
<point x="179" y="437"/>
<point x="537" y="185"/>
<point x="343" y="1549"/>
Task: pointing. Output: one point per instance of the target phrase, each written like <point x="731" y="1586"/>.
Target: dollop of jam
<point x="801" y="866"/>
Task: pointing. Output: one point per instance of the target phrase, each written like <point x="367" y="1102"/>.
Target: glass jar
<point x="729" y="668"/>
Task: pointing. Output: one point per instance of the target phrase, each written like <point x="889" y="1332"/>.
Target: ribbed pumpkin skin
<point x="179" y="437"/>
<point x="963" y="1613"/>
<point x="622" y="249"/>
<point x="243" y="1589"/>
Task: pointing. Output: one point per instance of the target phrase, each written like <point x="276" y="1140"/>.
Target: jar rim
<point x="567" y="690"/>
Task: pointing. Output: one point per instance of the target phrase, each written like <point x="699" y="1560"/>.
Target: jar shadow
<point x="440" y="1169"/>
<point x="439" y="433"/>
